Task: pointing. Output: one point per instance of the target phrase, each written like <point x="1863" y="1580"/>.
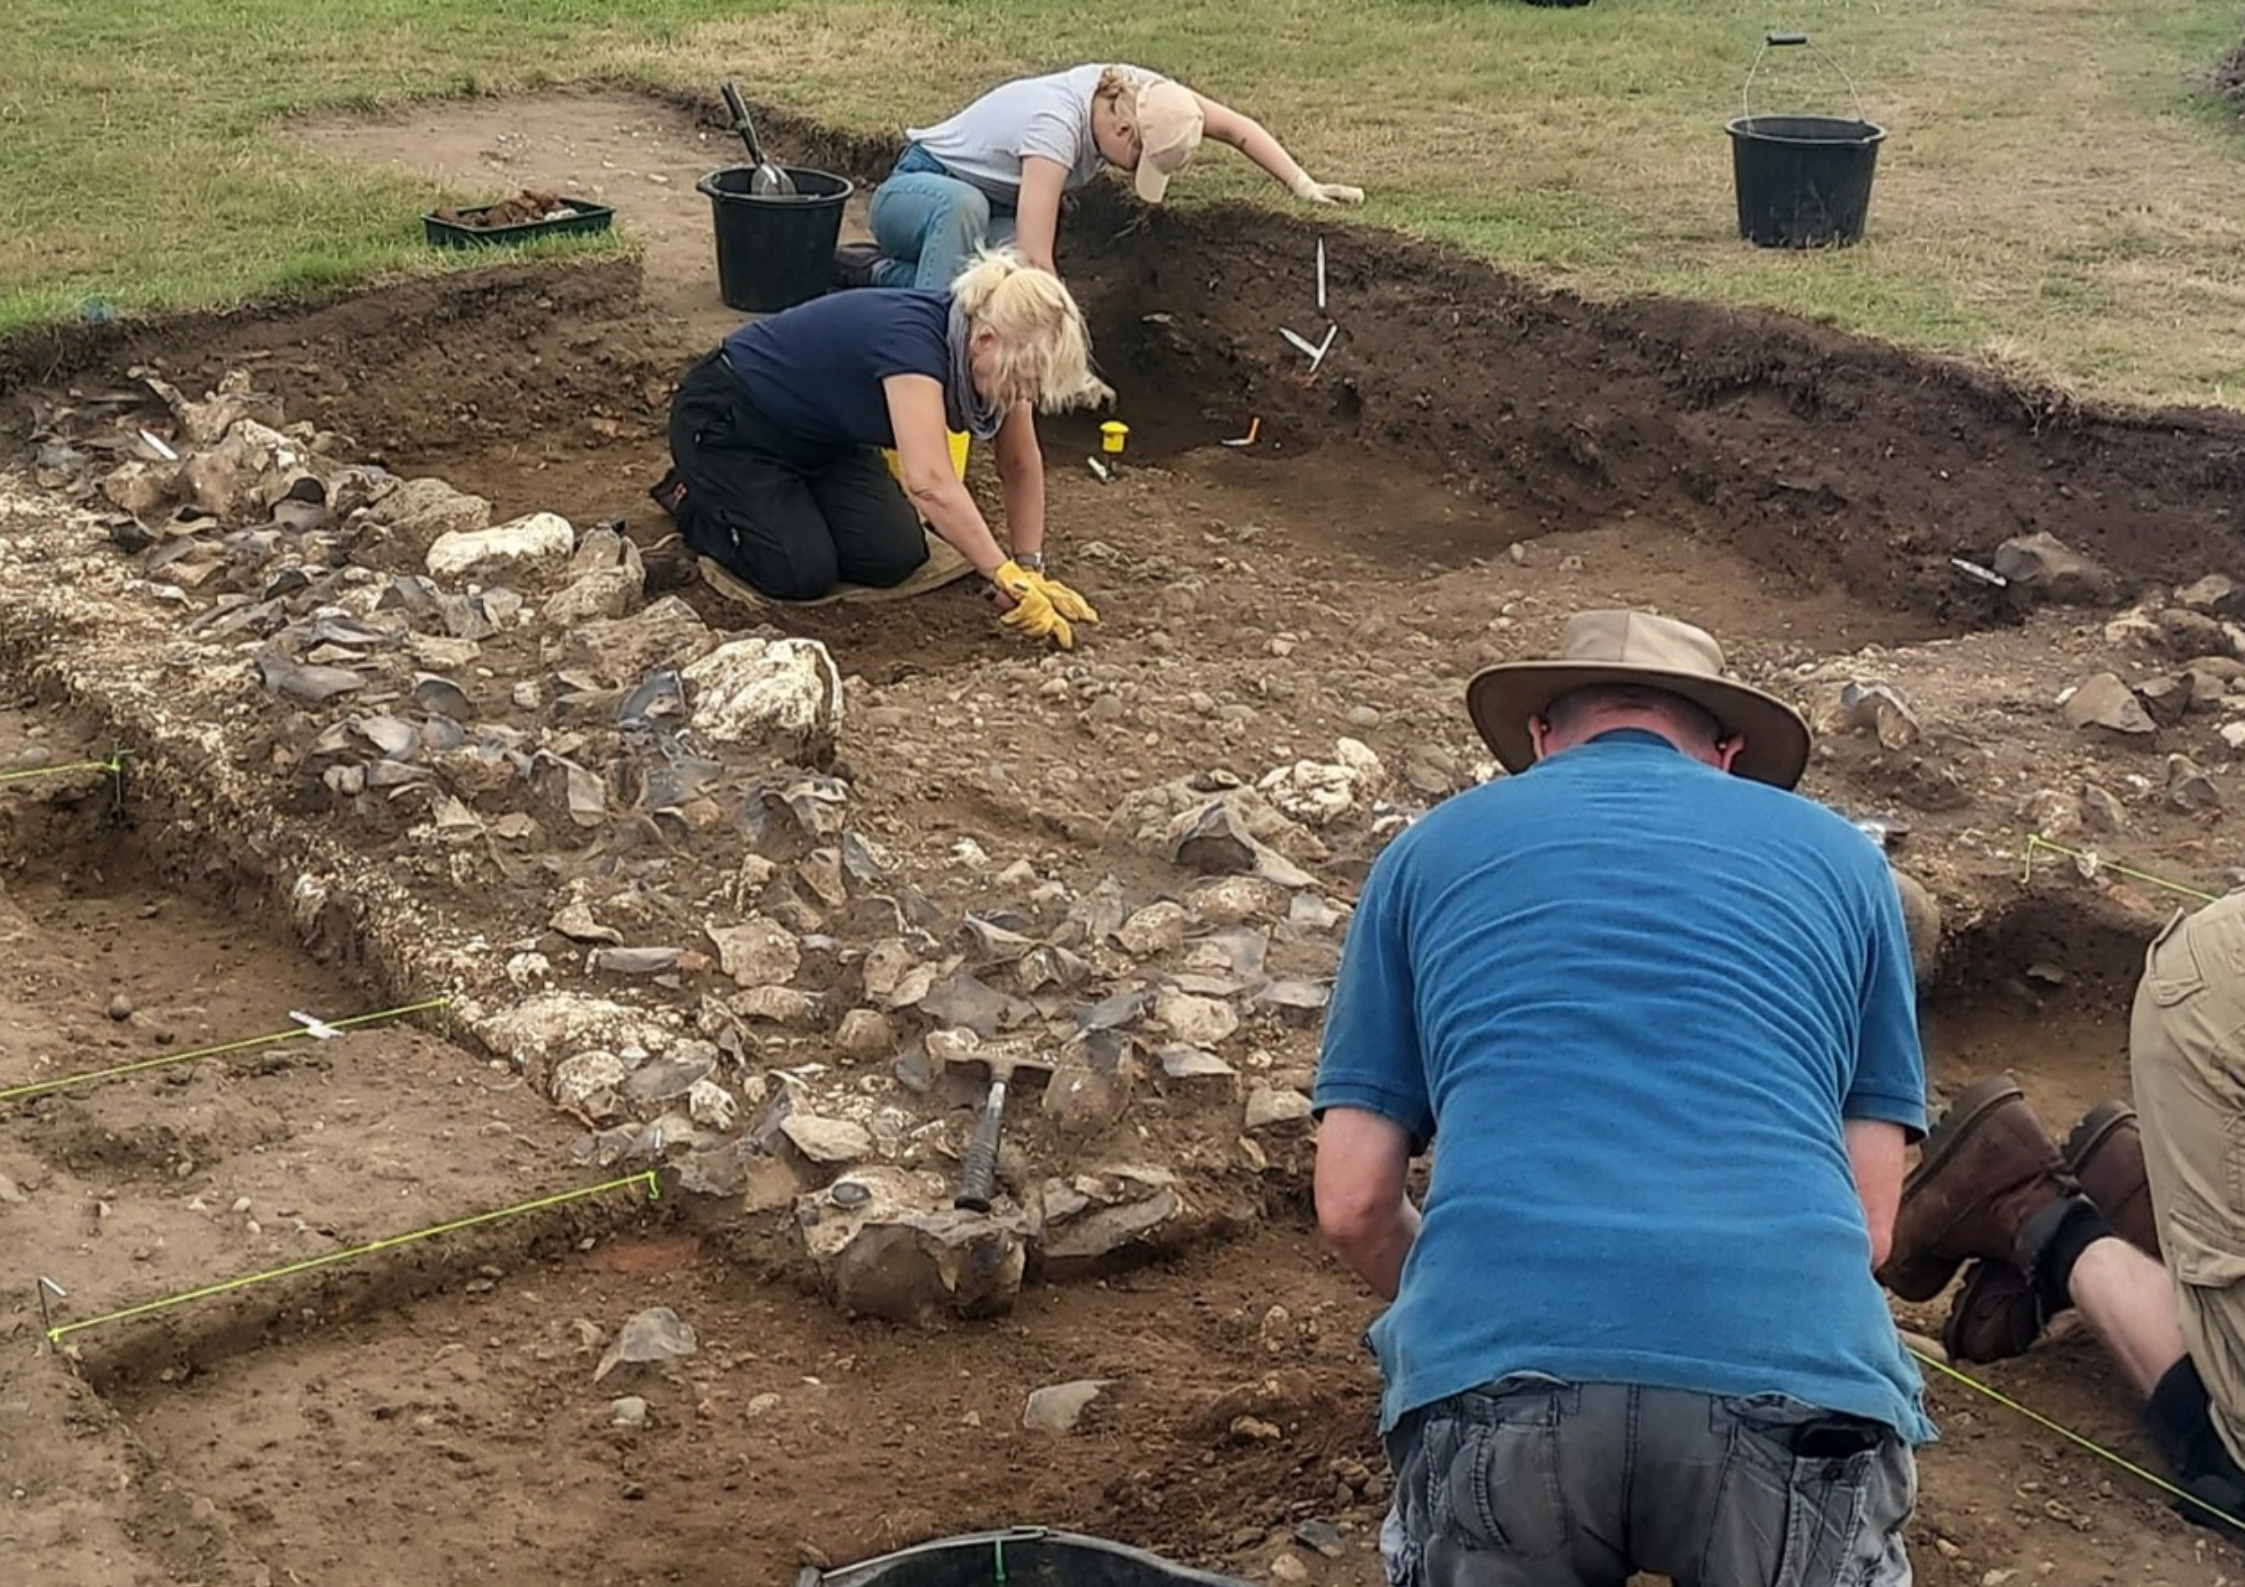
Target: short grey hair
<point x="1568" y="712"/>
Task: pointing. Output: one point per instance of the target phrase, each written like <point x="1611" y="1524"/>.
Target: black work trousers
<point x="791" y="518"/>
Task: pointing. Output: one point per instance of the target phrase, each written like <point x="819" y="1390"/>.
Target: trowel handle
<point x="978" y="1183"/>
<point x="741" y="124"/>
<point x="1779" y="40"/>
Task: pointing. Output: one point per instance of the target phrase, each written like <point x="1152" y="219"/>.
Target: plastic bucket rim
<point x="1743" y="129"/>
<point x="708" y="187"/>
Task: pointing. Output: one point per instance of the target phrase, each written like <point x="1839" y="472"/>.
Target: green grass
<point x="2057" y="194"/>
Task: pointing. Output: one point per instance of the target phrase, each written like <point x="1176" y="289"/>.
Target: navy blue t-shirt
<point x="1632" y="1001"/>
<point x="816" y="370"/>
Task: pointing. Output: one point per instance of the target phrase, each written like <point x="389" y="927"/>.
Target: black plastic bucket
<point x="774" y="251"/>
<point x="1804" y="181"/>
<point x="1020" y="1557"/>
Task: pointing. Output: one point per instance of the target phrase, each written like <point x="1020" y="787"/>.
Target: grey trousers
<point x="1536" y="1483"/>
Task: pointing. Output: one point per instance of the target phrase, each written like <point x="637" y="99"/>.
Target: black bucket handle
<point x="1772" y="41"/>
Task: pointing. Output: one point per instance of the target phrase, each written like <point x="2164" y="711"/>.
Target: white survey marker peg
<point x="316" y="1028"/>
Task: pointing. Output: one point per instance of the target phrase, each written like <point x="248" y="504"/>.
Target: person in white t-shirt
<point x="993" y="175"/>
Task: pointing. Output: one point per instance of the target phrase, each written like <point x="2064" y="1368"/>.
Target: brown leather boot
<point x="1996" y="1313"/>
<point x="1994" y="1316"/>
<point x="1987" y="1168"/>
<point x="2106" y="1153"/>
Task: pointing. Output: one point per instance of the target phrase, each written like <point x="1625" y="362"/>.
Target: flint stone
<point x="1155" y="930"/>
<point x="607" y="579"/>
<point x="866" y="1034"/>
<point x="711" y="1105"/>
<point x="1048" y="966"/>
<point x="785" y="695"/>
<point x="674" y="1074"/>
<point x="2190" y="635"/>
<point x="609" y="593"/>
<point x="1878" y="709"/>
<point x="442" y="696"/>
<point x="1268" y="1105"/>
<point x="623" y="652"/>
<point x="1236" y="900"/>
<point x="1057" y="1407"/>
<point x="568" y="1021"/>
<point x="425" y="510"/>
<point x="587" y="1084"/>
<point x="888" y="1244"/>
<point x="2044" y="564"/>
<point x="2211" y="678"/>
<point x="2217" y="595"/>
<point x="825" y="1140"/>
<point x="1214" y="838"/>
<point x="2189" y="788"/>
<point x="1195" y="1021"/>
<point x="636" y="961"/>
<point x="1097" y="1218"/>
<point x="542" y="540"/>
<point x="1090" y="1088"/>
<point x="781" y="1005"/>
<point x="654" y="1335"/>
<point x="312" y="685"/>
<point x="1317" y="793"/>
<point x="140" y="487"/>
<point x="1190" y="1063"/>
<point x="757" y="952"/>
<point x="2101" y="811"/>
<point x="2104" y="702"/>
<point x="245" y="472"/>
<point x="2165" y="698"/>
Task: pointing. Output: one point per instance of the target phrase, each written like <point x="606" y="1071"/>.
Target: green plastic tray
<point x="590" y="219"/>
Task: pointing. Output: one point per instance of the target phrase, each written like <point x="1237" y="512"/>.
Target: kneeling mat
<point x="943" y="566"/>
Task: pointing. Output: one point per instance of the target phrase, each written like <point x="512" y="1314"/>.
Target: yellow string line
<point x="56" y="1334"/>
<point x="42" y="1087"/>
<point x="2097" y="862"/>
<point x="113" y="765"/>
<point x="2067" y="1433"/>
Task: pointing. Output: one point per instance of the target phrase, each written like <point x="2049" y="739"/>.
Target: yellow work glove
<point x="1071" y="606"/>
<point x="1033" y="613"/>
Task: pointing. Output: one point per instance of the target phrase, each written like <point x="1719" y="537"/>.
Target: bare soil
<point x="433" y="1416"/>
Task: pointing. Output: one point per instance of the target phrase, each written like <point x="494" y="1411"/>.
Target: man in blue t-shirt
<point x="1654" y="1015"/>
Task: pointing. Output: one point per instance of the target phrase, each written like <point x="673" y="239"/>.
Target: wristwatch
<point x="1034" y="561"/>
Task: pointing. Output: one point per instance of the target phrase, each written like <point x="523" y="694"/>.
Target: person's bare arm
<point x="1874" y="1152"/>
<point x="1036" y="214"/>
<point x="1246" y="134"/>
<point x="1021" y="473"/>
<point x="1363" y="1162"/>
<point x="923" y="450"/>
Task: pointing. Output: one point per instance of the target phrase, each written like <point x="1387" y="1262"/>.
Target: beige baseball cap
<point x="1169" y="130"/>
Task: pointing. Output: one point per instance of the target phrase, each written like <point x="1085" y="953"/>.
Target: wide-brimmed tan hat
<point x="1653" y="651"/>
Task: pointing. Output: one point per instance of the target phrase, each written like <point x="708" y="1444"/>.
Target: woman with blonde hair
<point x="995" y="172"/>
<point x="776" y="438"/>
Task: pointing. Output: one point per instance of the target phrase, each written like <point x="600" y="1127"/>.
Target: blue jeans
<point x="1536" y="1483"/>
<point x="928" y="224"/>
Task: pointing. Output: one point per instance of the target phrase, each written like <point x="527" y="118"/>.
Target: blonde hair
<point x="1116" y="85"/>
<point x="1043" y="350"/>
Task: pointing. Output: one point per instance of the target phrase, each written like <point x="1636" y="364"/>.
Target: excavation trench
<point x="432" y="1413"/>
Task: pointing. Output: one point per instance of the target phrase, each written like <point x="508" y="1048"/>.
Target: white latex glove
<point x="1311" y="191"/>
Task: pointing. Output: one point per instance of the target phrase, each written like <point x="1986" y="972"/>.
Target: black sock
<point x="2179" y="1416"/>
<point x="2053" y="1241"/>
